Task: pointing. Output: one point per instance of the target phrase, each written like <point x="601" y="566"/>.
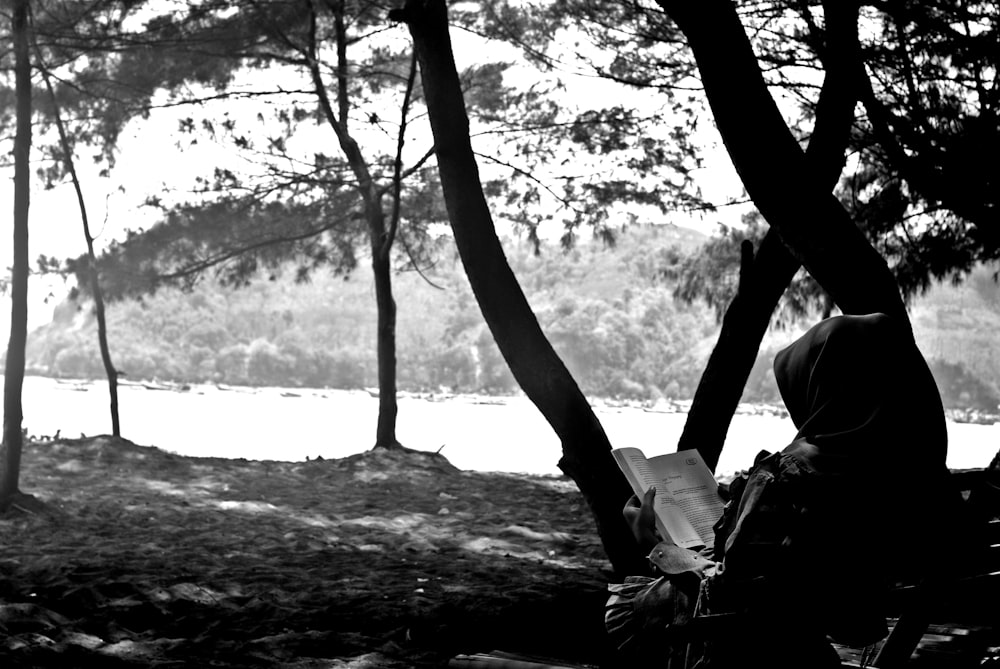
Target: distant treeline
<point x="615" y="324"/>
<point x="607" y="311"/>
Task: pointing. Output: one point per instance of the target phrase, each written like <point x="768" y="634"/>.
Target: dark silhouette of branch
<point x="397" y="178"/>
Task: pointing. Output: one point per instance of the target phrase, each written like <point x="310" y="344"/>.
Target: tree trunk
<point x="10" y="457"/>
<point x="381" y="238"/>
<point x="95" y="280"/>
<point x="798" y="206"/>
<point x="385" y="432"/>
<point x="764" y="276"/>
<point x="102" y="335"/>
<point x="532" y="360"/>
<point x="803" y="211"/>
<point x="763" y="279"/>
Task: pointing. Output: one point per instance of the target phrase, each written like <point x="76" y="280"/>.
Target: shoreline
<point x="475" y="432"/>
<point x="962" y="415"/>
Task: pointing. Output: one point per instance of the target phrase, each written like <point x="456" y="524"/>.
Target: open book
<point x="687" y="502"/>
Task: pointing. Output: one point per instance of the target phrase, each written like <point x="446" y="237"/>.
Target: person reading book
<point x="688" y="504"/>
<point x="813" y="535"/>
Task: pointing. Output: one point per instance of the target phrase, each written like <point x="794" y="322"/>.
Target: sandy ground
<point x="142" y="558"/>
<point x="148" y="559"/>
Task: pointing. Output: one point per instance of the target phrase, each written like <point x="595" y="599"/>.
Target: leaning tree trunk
<point x="95" y="279"/>
<point x="765" y="275"/>
<point x="532" y="360"/>
<point x="13" y="442"/>
<point x="763" y="278"/>
<point x="799" y="207"/>
<point x="102" y="326"/>
<point x="805" y="214"/>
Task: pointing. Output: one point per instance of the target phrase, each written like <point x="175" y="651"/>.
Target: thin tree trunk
<point x="381" y="250"/>
<point x="95" y="282"/>
<point x="380" y="235"/>
<point x="385" y="433"/>
<point x="532" y="360"/>
<point x="764" y="276"/>
<point x="13" y="442"/>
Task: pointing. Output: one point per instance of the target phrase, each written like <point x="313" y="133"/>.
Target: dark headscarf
<point x="867" y="467"/>
<point x="857" y="386"/>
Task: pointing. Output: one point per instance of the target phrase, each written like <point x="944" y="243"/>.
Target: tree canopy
<point x="925" y="77"/>
<point x="570" y="163"/>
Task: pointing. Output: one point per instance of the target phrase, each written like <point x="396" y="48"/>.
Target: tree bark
<point x="534" y="363"/>
<point x="95" y="281"/>
<point x="764" y="276"/>
<point x="10" y="457"/>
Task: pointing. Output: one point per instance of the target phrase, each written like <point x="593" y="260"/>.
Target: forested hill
<point x="607" y="311"/>
<point x="957" y="328"/>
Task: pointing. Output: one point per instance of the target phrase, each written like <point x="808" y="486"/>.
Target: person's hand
<point x="642" y="521"/>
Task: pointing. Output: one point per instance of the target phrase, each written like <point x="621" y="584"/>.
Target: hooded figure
<point x="856" y="387"/>
<point x="849" y="496"/>
<point x="814" y="535"/>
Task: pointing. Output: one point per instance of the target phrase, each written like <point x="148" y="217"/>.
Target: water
<point x="474" y="433"/>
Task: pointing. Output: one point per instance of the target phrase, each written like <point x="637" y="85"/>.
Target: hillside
<point x="607" y="311"/>
<point x="957" y="326"/>
<point x="604" y="308"/>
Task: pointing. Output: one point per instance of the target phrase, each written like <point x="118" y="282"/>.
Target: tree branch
<point x="397" y="177"/>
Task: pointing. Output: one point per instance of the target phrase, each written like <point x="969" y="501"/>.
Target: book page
<point x="693" y="488"/>
<point x="671" y="518"/>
